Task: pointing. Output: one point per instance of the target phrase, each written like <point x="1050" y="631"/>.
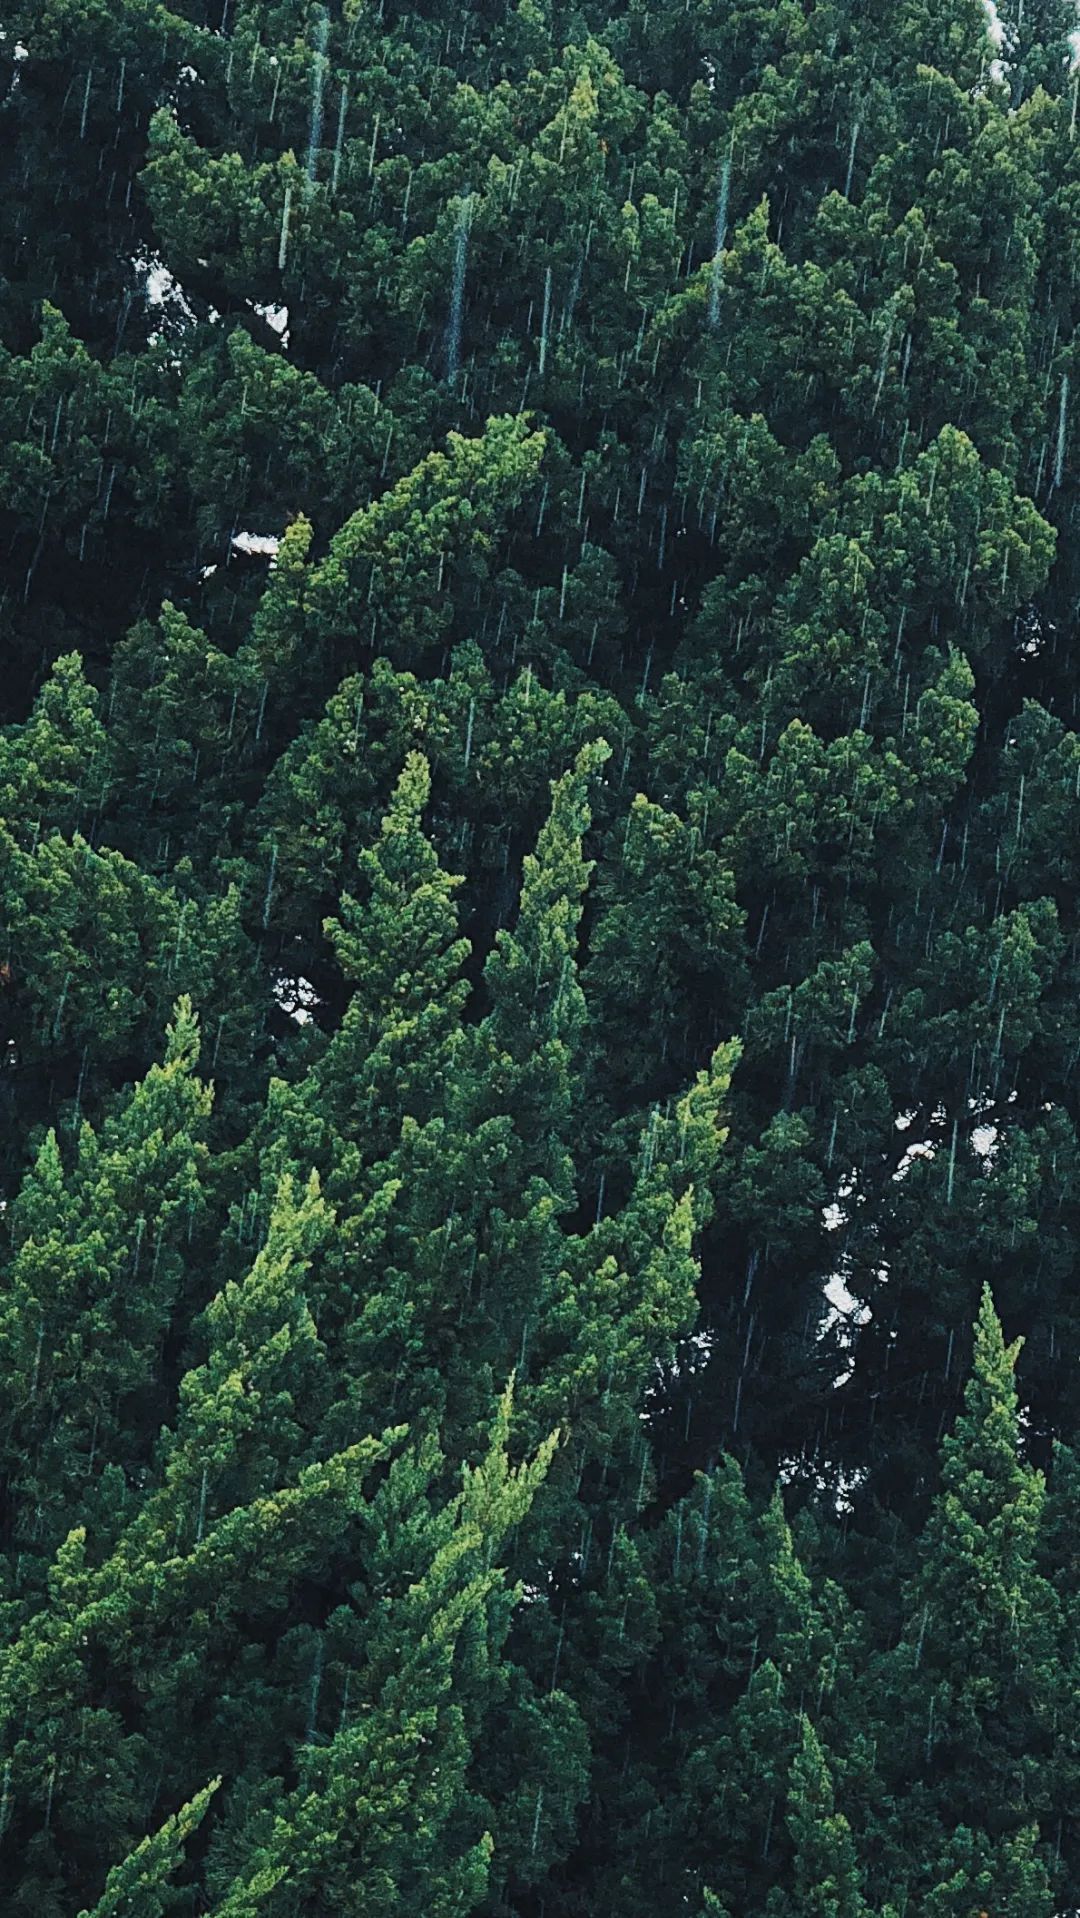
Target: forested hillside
<point x="540" y="959"/>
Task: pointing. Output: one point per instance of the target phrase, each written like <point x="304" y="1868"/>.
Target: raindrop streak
<point x="545" y="322"/>
<point x="851" y="160"/>
<point x="313" y="1696"/>
<point x="179" y="936"/>
<point x="457" y="296"/>
<point x="86" y="103"/>
<point x="60" y="1004"/>
<point x="283" y="243"/>
<point x="318" y="89"/>
<point x="37" y="1360"/>
<point x="718" y="246"/>
<point x="1059" y="461"/>
<point x="270" y="886"/>
<point x="343" y="108"/>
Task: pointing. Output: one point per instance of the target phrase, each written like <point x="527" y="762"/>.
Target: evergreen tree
<point x="96" y="1273"/>
<point x="139" y="1888"/>
<point x="537" y="573"/>
<point x="825" y="1875"/>
<point x="974" y="1679"/>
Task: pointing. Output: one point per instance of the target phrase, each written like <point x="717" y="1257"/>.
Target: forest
<point x="539" y="959"/>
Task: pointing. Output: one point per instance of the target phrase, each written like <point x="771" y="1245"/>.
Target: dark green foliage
<point x="539" y="959"/>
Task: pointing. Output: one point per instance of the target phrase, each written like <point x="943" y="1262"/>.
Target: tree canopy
<point x="540" y="959"/>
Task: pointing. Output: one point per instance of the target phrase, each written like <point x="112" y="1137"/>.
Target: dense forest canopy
<point x="540" y="959"/>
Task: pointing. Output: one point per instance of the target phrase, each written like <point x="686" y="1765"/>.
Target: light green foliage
<point x="139" y="1887"/>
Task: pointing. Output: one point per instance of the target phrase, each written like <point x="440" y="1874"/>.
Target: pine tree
<point x="826" y="1882"/>
<point x="96" y="1273"/>
<point x="400" y="952"/>
<point x="383" y="1815"/>
<point x="538" y="1008"/>
<point x="1037" y="46"/>
<point x="973" y="1682"/>
<point x="139" y="1888"/>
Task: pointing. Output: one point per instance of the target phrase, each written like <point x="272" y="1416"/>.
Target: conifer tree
<point x="401" y="955"/>
<point x="537" y="574"/>
<point x="383" y="1815"/>
<point x="973" y="1680"/>
<point x="139" y="1887"/>
<point x="538" y="1011"/>
<point x="825" y="1876"/>
<point x="96" y="1272"/>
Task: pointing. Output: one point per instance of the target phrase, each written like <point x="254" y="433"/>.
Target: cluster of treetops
<point x="539" y="997"/>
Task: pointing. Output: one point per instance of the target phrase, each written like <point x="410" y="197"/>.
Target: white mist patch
<point x="845" y="1317"/>
<point x="840" y="1487"/>
<point x="995" y="33"/>
<point x="256" y="545"/>
<point x="276" y="317"/>
<point x="846" y="1313"/>
<point x="19" y="53"/>
<point x="984" y="1141"/>
<point x="163" y="289"/>
<point x="296" y="996"/>
<point x="994" y="29"/>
